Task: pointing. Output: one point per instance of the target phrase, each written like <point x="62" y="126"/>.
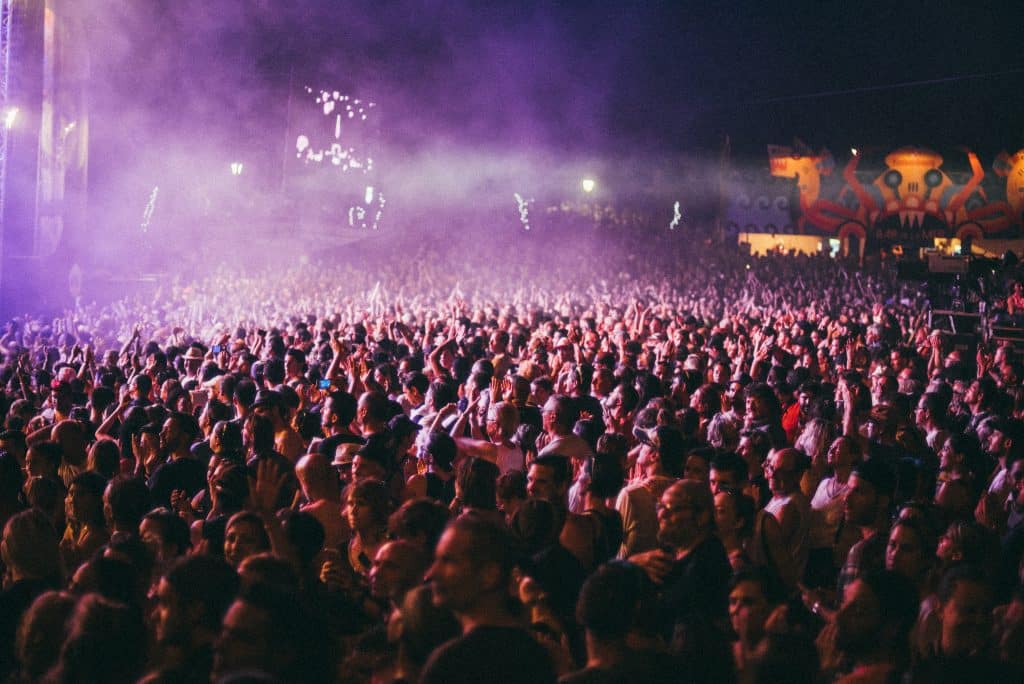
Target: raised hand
<point x="265" y="489"/>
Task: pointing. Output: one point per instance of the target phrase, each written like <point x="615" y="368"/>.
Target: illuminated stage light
<point x="853" y="151"/>
<point x="368" y="196"/>
<point x="10" y="117"/>
<point x="588" y="185"/>
<point x="236" y="168"/>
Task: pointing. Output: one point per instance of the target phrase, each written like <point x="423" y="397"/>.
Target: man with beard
<point x="180" y="470"/>
<point x="691" y="564"/>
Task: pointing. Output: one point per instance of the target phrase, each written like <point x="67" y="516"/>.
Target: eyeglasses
<point x="770" y="470"/>
<point x="672" y="509"/>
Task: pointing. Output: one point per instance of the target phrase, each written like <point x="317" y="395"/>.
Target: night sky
<point x="604" y="80"/>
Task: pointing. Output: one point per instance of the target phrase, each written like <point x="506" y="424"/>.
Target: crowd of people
<point x="452" y="461"/>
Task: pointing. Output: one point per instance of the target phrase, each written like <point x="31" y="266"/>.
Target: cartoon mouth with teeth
<point x="918" y="194"/>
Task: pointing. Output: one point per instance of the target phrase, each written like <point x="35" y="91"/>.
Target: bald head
<point x="685" y="514"/>
<point x="398" y="567"/>
<point x="783" y="471"/>
<point x="316" y="477"/>
<point x="71" y="438"/>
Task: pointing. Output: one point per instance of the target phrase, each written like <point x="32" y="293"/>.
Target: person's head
<point x="663" y="451"/>
<point x="967" y="541"/>
<point x="560" y="414"/>
<point x="316" y="477"/>
<point x="269" y="570"/>
<point x="473" y="565"/>
<point x="734" y="513"/>
<point x="698" y="464"/>
<point x="84" y="501"/>
<point x="106" y="642"/>
<point x="619" y="405"/>
<point x="981" y="394"/>
<point x="43" y="459"/>
<point x="931" y="410"/>
<point x="783" y="470"/>
<point x="843" y="453"/>
<point x="869" y="496"/>
<point x="166" y="534"/>
<point x="910" y="549"/>
<point x="611" y="599"/>
<point x="244" y="536"/>
<point x="606" y="476"/>
<point x="305" y="536"/>
<point x="125" y="501"/>
<point x="373" y="411"/>
<point x="269" y="630"/>
<point x="368" y="506"/>
<point x="761" y="402"/>
<point x="685" y="514"/>
<point x="707" y="401"/>
<point x="47" y="495"/>
<point x="965" y="611"/>
<point x="422" y="626"/>
<point x="1005" y="436"/>
<point x="415" y="385"/>
<point x="338" y="412"/>
<point x="42" y="632"/>
<point x="510" y="490"/>
<point x="877" y="613"/>
<point x="816" y="437"/>
<point x="548" y="478"/>
<point x="754" y="448"/>
<point x="502" y="421"/>
<point x="753" y="595"/>
<point x="104" y="458"/>
<point x="727" y="470"/>
<point x="192" y="598"/>
<point x="178" y="432"/>
<point x="723" y="433"/>
<point x="226" y="439"/>
<point x="398" y="567"/>
<point x="420" y="522"/>
<point x="476" y="483"/>
<point x="1015" y="477"/>
<point x="439" y="451"/>
<point x="229" y="486"/>
<point x="29" y="547"/>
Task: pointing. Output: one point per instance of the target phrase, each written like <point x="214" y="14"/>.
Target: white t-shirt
<point x="827" y="512"/>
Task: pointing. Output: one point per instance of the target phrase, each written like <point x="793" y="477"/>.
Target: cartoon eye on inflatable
<point x="763" y="203"/>
<point x="782" y="203"/>
<point x="893" y="179"/>
<point x="933" y="178"/>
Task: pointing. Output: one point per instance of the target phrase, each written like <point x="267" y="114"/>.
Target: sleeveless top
<point x="799" y="545"/>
